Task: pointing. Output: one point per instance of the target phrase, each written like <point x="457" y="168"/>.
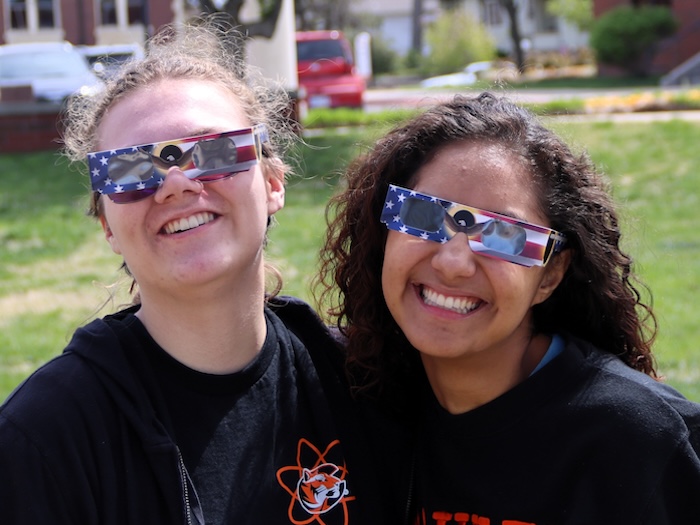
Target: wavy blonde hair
<point x="207" y="49"/>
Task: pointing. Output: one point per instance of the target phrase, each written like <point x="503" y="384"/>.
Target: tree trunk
<point x="417" y="37"/>
<point x="512" y="10"/>
<point x="265" y="27"/>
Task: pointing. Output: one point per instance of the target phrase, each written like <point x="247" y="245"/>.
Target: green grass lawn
<point x="56" y="269"/>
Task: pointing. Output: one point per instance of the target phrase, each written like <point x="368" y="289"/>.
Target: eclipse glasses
<point x="489" y="233"/>
<point x="134" y="173"/>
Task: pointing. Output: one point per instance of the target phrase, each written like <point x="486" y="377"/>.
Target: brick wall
<point x="28" y="126"/>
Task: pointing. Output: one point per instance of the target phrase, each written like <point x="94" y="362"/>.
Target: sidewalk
<point x="398" y="98"/>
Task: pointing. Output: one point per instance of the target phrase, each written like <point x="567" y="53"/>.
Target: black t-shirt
<point x="260" y="442"/>
<point x="113" y="432"/>
<point x="584" y="441"/>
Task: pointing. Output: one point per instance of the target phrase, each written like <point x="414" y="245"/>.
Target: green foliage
<point x="576" y="12"/>
<point x="412" y="60"/>
<point x="267" y="7"/>
<point x="558" y="107"/>
<point x="455" y="39"/>
<point x="326" y="118"/>
<point x="625" y="36"/>
<point x="384" y="59"/>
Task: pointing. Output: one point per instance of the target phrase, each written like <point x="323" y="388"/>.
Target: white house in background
<point x="540" y="30"/>
<point x="396" y="19"/>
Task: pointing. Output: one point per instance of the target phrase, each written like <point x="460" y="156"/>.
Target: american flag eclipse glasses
<point x="134" y="173"/>
<point x="434" y="219"/>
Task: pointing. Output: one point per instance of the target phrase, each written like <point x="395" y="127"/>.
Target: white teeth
<point x="187" y="223"/>
<point x="461" y="305"/>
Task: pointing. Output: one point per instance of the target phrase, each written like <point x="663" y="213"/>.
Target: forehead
<point x="170" y="109"/>
<point x="485" y="175"/>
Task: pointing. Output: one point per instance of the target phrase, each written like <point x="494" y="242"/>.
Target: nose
<point x="455" y="258"/>
<point x="176" y="184"/>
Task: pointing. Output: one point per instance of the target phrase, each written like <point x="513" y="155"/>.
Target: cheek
<point x="387" y="284"/>
<point x="388" y="269"/>
<point x="118" y="222"/>
<point x="399" y="260"/>
<point x="519" y="284"/>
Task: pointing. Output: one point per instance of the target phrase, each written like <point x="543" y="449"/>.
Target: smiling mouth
<point x="188" y="223"/>
<point x="460" y="305"/>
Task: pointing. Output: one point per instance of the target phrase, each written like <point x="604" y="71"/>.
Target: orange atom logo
<point x="317" y="486"/>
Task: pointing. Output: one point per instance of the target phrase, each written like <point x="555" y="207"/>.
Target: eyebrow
<point x="509" y="214"/>
<point x="196" y="133"/>
<point x="206" y="131"/>
<point x="513" y="216"/>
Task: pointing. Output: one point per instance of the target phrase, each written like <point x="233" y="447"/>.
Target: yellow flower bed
<point x="644" y="101"/>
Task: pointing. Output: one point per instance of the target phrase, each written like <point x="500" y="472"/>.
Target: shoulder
<point x="70" y="387"/>
<point x="294" y="312"/>
<point x="322" y="349"/>
<point x="51" y="404"/>
<point x="633" y="397"/>
<point x="299" y="318"/>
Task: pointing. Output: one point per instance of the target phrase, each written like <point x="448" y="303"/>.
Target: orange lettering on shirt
<point x="441" y="517"/>
<point x="461" y="518"/>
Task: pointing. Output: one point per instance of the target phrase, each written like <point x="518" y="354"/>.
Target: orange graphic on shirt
<point x="317" y="486"/>
<point x="460" y="518"/>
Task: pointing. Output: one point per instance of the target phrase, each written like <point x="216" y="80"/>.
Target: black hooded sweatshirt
<point x="92" y="436"/>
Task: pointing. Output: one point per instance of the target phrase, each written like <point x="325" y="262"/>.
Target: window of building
<point x="544" y="21"/>
<point x="136" y="12"/>
<point x="108" y="12"/>
<point x="33" y="14"/>
<point x="18" y="14"/>
<point x="492" y="13"/>
<point x="639" y="3"/>
<point x="122" y="12"/>
<point x="46" y="13"/>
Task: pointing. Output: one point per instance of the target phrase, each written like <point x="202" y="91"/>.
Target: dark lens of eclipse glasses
<point x="212" y="159"/>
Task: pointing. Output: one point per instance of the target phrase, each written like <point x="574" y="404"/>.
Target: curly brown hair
<point x="599" y="299"/>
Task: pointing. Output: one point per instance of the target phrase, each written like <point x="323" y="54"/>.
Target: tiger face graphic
<point x="317" y="485"/>
<point x="320" y="489"/>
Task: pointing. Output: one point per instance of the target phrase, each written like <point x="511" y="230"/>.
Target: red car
<point x="327" y="77"/>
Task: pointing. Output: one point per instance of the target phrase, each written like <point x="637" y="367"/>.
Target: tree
<point x="264" y="27"/>
<point x="455" y="39"/>
<point x="627" y="36"/>
<point x="576" y="12"/>
<point x="323" y="14"/>
<point x="417" y="26"/>
<point x="512" y="9"/>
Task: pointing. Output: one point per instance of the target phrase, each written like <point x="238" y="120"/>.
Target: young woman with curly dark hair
<point x="474" y="264"/>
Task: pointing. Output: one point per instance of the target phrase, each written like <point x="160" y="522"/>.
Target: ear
<point x="274" y="182"/>
<point x="553" y="275"/>
<point x="109" y="235"/>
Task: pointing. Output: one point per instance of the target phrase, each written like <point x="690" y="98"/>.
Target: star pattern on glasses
<point x="247" y="144"/>
<point x="489" y="233"/>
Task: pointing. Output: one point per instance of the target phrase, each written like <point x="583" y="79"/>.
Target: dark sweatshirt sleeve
<point x="30" y="492"/>
<point x="676" y="500"/>
<point x="48" y="448"/>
